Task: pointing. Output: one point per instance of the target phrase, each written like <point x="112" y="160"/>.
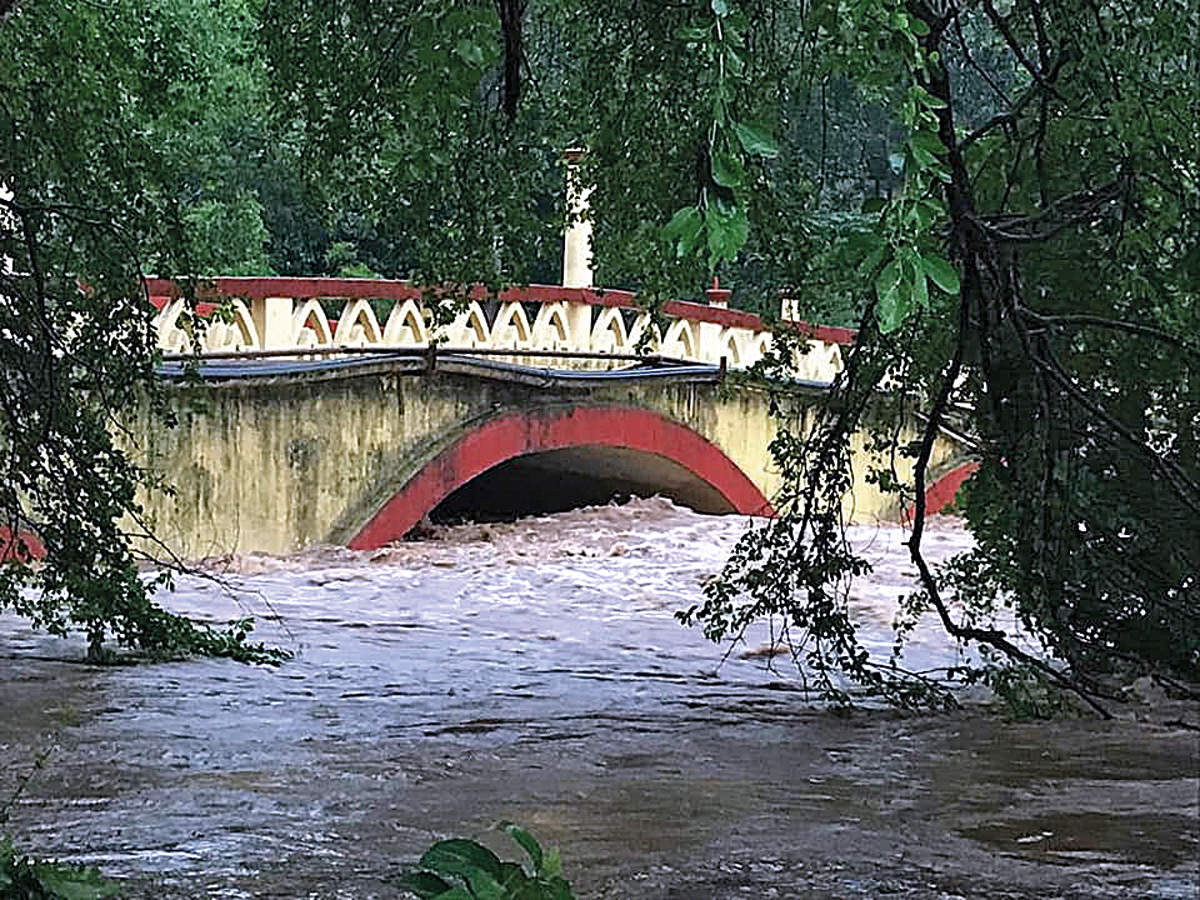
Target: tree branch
<point x="1157" y="334"/>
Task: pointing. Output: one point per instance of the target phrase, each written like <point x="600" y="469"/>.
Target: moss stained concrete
<point x="275" y="464"/>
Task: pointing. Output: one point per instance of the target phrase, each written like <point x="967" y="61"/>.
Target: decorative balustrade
<point x="282" y="314"/>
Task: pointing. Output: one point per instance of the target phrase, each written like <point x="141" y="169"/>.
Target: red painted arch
<point x="23" y="547"/>
<point x="942" y="492"/>
<point x="518" y="434"/>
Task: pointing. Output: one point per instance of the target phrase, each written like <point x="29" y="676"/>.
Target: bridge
<point x="345" y="411"/>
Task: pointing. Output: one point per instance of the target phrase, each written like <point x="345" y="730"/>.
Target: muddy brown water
<point x="533" y="671"/>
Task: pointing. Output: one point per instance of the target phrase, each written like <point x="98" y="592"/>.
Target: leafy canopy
<point x="104" y="114"/>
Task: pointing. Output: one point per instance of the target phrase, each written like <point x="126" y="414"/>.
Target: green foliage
<point x="229" y="234"/>
<point x="342" y="260"/>
<point x="1031" y="286"/>
<point x="460" y="869"/>
<point x="719" y="221"/>
<point x="1026" y="691"/>
<point x="24" y="878"/>
<point x="95" y="157"/>
<point x="395" y="114"/>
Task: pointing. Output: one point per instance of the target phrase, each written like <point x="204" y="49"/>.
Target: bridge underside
<point x="558" y="480"/>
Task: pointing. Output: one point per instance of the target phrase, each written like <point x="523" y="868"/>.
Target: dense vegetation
<point x="113" y="134"/>
<point x="1004" y="197"/>
<point x="462" y="869"/>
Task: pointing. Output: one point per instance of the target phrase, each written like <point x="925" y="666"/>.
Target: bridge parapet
<point x="329" y="315"/>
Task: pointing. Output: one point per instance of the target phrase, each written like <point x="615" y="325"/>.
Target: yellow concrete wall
<point x="277" y="465"/>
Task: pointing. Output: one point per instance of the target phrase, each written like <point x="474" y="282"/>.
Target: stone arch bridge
<point x="328" y="418"/>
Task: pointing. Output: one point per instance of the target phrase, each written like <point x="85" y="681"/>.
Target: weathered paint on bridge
<point x="277" y="464"/>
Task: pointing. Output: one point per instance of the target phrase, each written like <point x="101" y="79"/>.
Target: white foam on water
<point x="603" y="578"/>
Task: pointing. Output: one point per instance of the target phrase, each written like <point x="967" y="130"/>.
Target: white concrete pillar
<point x="273" y="320"/>
<point x="577" y="242"/>
<point x="579" y="326"/>
<point x="710" y="347"/>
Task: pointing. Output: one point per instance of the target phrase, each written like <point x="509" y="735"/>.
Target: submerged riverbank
<point x="533" y="671"/>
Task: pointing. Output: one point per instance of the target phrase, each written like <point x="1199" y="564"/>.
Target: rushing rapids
<point x="533" y="670"/>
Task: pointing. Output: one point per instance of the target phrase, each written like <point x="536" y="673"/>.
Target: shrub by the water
<point x="459" y="869"/>
<point x="25" y="878"/>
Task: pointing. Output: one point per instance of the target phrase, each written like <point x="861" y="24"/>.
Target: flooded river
<point x="534" y="671"/>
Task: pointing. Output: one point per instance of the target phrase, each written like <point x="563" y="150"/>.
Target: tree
<point x="102" y="111"/>
<point x="1061" y="341"/>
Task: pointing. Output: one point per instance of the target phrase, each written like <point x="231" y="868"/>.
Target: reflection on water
<point x="534" y="670"/>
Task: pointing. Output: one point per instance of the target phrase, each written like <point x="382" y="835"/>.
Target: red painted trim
<point x="830" y="334"/>
<point x="726" y="318"/>
<point x="736" y="318"/>
<point x="203" y="309"/>
<point x="942" y="492"/>
<point x="517" y="434"/>
<point x="552" y="293"/>
<point x="11" y="551"/>
<point x="299" y="288"/>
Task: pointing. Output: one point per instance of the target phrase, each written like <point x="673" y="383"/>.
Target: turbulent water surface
<point x="534" y="671"/>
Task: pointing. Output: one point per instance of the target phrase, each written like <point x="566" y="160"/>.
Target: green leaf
<point x="873" y="204"/>
<point x="888" y="279"/>
<point x="74" y="884"/>
<point x="726" y="203"/>
<point x="425" y="885"/>
<point x="470" y="52"/>
<point x="924" y="212"/>
<point x="681" y="223"/>
<point x="756" y="140"/>
<point x="512" y="876"/>
<point x="734" y="62"/>
<point x="925" y="98"/>
<point x="893" y="309"/>
<point x="527" y="841"/>
<point x="923" y="157"/>
<point x="941" y="172"/>
<point x="726" y="232"/>
<point x="692" y="33"/>
<point x="727" y="170"/>
<point x="920" y="293"/>
<point x="720" y="7"/>
<point x="684" y="230"/>
<point x="873" y="259"/>
<point x="943" y="274"/>
<point x="459" y="856"/>
<point x="929" y="142"/>
<point x="552" y="865"/>
<point x="485" y="886"/>
<point x="719" y="111"/>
